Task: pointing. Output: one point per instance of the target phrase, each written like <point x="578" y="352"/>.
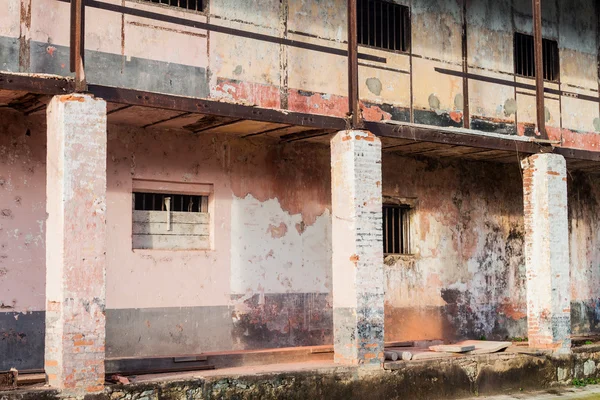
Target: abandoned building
<point x="192" y="178"/>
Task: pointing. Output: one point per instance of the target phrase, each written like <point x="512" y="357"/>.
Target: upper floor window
<point x="194" y="5"/>
<point x="384" y="25"/>
<point x="524" y="55"/>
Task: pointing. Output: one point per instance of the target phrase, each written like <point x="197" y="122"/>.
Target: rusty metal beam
<point x="129" y="97"/>
<point x="427" y="134"/>
<point x="212" y="107"/>
<point x="539" y="68"/>
<point x="37" y="85"/>
<point x="465" y="68"/>
<point x="353" y="99"/>
<point x="77" y="44"/>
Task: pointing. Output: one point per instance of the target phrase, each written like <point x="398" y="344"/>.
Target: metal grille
<point x="396" y="229"/>
<point x="525" y="59"/>
<point x="384" y="25"/>
<point x="178" y="202"/>
<point x="194" y="5"/>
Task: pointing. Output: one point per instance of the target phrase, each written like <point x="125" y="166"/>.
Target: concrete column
<point x="76" y="244"/>
<point x="547" y="251"/>
<point x="358" y="277"/>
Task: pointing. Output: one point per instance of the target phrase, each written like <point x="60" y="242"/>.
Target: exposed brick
<point x="547" y="252"/>
<point x="76" y="244"/>
<point x="358" y="278"/>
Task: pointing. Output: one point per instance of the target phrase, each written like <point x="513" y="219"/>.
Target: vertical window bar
<point x="393" y="20"/>
<point x="400" y="233"/>
<point x="545" y="59"/>
<point x="394" y="248"/>
<point x="380" y="20"/>
<point x="400" y="34"/>
<point x="385" y="230"/>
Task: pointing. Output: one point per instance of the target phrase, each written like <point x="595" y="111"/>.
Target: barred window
<point x="194" y="5"/>
<point x="524" y="54"/>
<point x="170" y="221"/>
<point x="383" y="24"/>
<point x="396" y="229"/>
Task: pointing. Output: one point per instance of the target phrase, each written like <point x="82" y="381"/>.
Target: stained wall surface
<point x="424" y="85"/>
<point x="266" y="281"/>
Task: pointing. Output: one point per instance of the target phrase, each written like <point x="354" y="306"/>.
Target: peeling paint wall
<point x="584" y="228"/>
<point x="419" y="86"/>
<point x="265" y="282"/>
<point x="22" y="239"/>
<point x="466" y="278"/>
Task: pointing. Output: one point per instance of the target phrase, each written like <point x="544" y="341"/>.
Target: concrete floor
<point x="569" y="393"/>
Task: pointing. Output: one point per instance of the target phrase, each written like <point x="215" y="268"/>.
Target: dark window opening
<point x="396" y="229"/>
<point x="194" y="5"/>
<point x="384" y="25"/>
<point x="178" y="202"/>
<point x="525" y="57"/>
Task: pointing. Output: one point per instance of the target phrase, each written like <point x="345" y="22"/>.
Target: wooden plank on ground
<point x="452" y="348"/>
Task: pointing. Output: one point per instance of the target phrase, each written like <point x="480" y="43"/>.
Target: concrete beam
<point x="76" y="244"/>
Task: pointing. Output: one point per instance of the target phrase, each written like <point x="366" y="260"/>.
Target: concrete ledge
<point x="449" y="378"/>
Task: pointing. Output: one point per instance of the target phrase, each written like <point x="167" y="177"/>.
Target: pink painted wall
<point x="268" y="271"/>
<point x="22" y="213"/>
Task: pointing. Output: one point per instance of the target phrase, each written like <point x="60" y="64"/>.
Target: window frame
<point x="160" y="3"/>
<point x="545" y="42"/>
<point x="204" y="217"/>
<point x="405" y="11"/>
<point x="404" y="229"/>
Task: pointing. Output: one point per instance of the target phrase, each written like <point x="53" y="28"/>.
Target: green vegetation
<point x="584" y="382"/>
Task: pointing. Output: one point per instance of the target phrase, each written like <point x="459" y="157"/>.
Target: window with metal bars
<point x="396" y="229"/>
<point x="194" y="5"/>
<point x="384" y="25"/>
<point x="524" y="56"/>
<point x="177" y="202"/>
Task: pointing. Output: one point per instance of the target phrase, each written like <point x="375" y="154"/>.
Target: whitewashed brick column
<point x="358" y="277"/>
<point x="76" y="244"/>
<point x="547" y="251"/>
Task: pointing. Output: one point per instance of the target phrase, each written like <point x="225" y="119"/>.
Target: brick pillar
<point x="76" y="243"/>
<point x="358" y="278"/>
<point x="547" y="251"/>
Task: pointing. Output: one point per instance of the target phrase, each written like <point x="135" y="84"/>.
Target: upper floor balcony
<point x="436" y="63"/>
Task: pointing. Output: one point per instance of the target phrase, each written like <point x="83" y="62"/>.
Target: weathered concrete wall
<point x="22" y="240"/>
<point x="129" y="51"/>
<point x="584" y="228"/>
<point x="266" y="279"/>
<point x="265" y="282"/>
<point x="467" y="275"/>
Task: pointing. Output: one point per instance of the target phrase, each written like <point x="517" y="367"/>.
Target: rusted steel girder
<point x="77" y="44"/>
<point x="465" y="68"/>
<point x="539" y="67"/>
<point x="353" y="100"/>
